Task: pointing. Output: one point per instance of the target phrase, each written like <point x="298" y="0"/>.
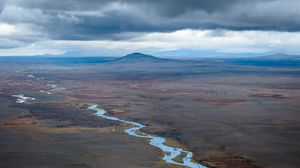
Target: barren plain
<point x="229" y="114"/>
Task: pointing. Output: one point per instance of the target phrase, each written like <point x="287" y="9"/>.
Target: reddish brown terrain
<point x="230" y="115"/>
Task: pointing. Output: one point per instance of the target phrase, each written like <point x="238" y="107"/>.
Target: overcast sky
<point x="113" y="28"/>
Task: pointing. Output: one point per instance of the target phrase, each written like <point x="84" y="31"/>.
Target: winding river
<point x="170" y="153"/>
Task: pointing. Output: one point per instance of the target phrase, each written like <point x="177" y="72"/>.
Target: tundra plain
<point x="231" y="113"/>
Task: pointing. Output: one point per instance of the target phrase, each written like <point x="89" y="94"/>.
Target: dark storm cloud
<point x="171" y="6"/>
<point x="107" y="19"/>
<point x="2" y="4"/>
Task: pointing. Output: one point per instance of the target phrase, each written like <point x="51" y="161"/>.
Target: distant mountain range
<point x="178" y="54"/>
<point x="140" y="58"/>
<point x="203" y="54"/>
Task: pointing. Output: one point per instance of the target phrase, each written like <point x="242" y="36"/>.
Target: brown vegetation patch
<point x="224" y="159"/>
<point x="33" y="126"/>
<point x="94" y="96"/>
<point x="116" y="111"/>
<point x="268" y="95"/>
<point x="139" y="85"/>
<point x="21" y="121"/>
<point x="283" y="122"/>
<point x="184" y="90"/>
<point x="220" y="101"/>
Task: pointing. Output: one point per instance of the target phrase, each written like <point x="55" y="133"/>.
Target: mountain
<point x="139" y="58"/>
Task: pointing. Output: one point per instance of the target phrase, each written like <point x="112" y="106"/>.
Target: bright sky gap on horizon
<point x="116" y="28"/>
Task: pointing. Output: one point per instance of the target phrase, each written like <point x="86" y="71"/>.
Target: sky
<point x="119" y="27"/>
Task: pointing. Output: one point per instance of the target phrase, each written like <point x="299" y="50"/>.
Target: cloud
<point x="226" y="42"/>
<point x="102" y="19"/>
<point x="18" y="35"/>
<point x="2" y="4"/>
<point x="30" y="24"/>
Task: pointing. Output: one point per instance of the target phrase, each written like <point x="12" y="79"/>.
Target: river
<point x="170" y="153"/>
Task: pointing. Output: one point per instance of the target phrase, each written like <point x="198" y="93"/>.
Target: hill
<point x="139" y="58"/>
